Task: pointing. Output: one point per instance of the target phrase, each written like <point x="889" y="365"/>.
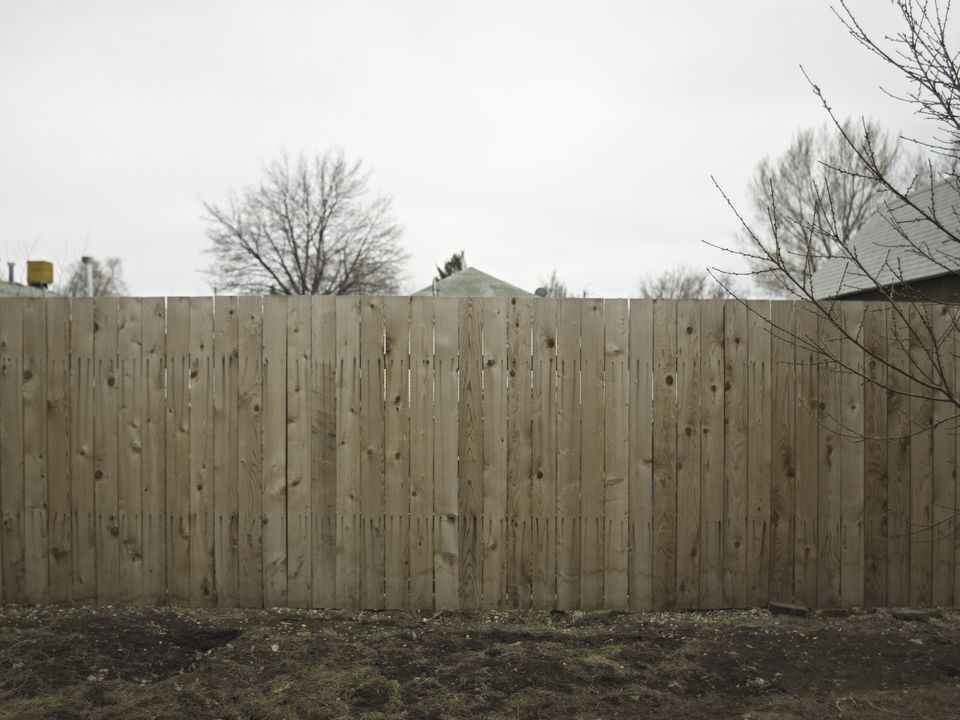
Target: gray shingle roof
<point x="472" y="283"/>
<point x="882" y="249"/>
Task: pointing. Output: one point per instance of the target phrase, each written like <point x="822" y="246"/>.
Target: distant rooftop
<point x="472" y="283"/>
<point x="889" y="257"/>
<point x="8" y="289"/>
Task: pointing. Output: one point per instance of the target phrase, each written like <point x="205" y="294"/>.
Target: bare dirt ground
<point x="176" y="663"/>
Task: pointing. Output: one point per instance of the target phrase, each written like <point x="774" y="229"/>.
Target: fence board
<point x="299" y="455"/>
<point x="60" y="557"/>
<point x="152" y="475"/>
<point x="616" y="428"/>
<point x="226" y="452"/>
<point x="640" y="463"/>
<point x="83" y="530"/>
<point x="250" y="452"/>
<point x="568" y="456"/>
<point x="782" y="469"/>
<point x="105" y="448"/>
<point x="274" y="498"/>
<point x="470" y="501"/>
<point x="201" y="453"/>
<point x="688" y="454"/>
<point x="898" y="456"/>
<point x="549" y="453"/>
<point x="519" y="448"/>
<point x="711" y="455"/>
<point x="36" y="580"/>
<point x="445" y="501"/>
<point x="944" y="462"/>
<point x="544" y="453"/>
<point x="735" y="454"/>
<point x="851" y="507"/>
<point x="323" y="448"/>
<point x="921" y="459"/>
<point x="421" y="454"/>
<point x="12" y="531"/>
<point x="494" y="337"/>
<point x="830" y="460"/>
<point x="807" y="392"/>
<point x="396" y="312"/>
<point x="591" y="454"/>
<point x="371" y="458"/>
<point x="665" y="454"/>
<point x="130" y="486"/>
<point x="348" y="451"/>
<point x="875" y="455"/>
<point x="758" y="453"/>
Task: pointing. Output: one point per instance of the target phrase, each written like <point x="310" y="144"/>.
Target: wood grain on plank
<point x="274" y="498"/>
<point x="616" y="428"/>
<point x="519" y="448"/>
<point x="783" y="459"/>
<point x="36" y="577"/>
<point x="641" y="455"/>
<point x="372" y="450"/>
<point x="153" y="393"/>
<point x="226" y="453"/>
<point x="875" y="455"/>
<point x="106" y="447"/>
<point x="396" y="312"/>
<point x="944" y="458"/>
<point x="323" y="447"/>
<point x="665" y="455"/>
<point x="898" y="455"/>
<point x="851" y="417"/>
<point x="568" y="456"/>
<point x="830" y="461"/>
<point x="689" y="481"/>
<point x="544" y="453"/>
<point x="711" y="455"/>
<point x="250" y="451"/>
<point x="130" y="428"/>
<point x="299" y="454"/>
<point x="493" y="566"/>
<point x="736" y="422"/>
<point x="591" y="454"/>
<point x="60" y="555"/>
<point x="12" y="522"/>
<point x="921" y="456"/>
<point x="83" y="530"/>
<point x="807" y="398"/>
<point x="470" y="501"/>
<point x="348" y="451"/>
<point x="445" y="501"/>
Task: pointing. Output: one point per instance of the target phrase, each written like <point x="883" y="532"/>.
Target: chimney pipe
<point x="88" y="274"/>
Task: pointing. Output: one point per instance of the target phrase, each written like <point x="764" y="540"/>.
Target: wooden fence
<point x="478" y="453"/>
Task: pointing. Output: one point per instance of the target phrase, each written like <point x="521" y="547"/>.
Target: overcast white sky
<point x="579" y="136"/>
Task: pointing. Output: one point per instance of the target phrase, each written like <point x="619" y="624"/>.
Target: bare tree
<point x="921" y="214"/>
<point x="555" y="287"/>
<point x="107" y="279"/>
<point x="311" y="227"/>
<point x="680" y="283"/>
<point x="819" y="163"/>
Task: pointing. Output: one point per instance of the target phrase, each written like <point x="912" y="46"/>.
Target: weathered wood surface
<point x="427" y="453"/>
